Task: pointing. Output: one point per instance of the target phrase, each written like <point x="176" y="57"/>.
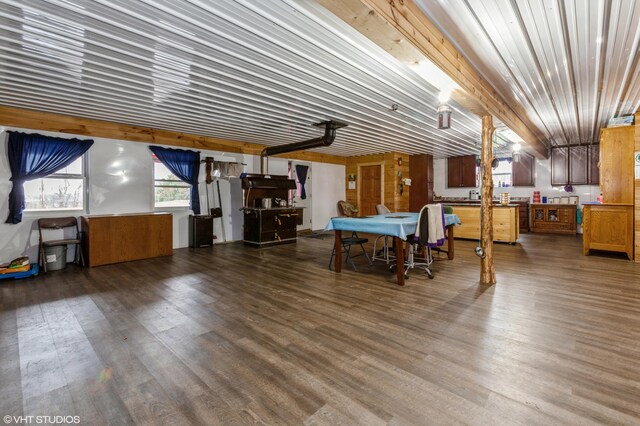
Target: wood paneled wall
<point x="390" y="179"/>
<point x="637" y="193"/>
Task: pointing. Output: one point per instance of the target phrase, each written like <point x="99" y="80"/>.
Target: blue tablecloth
<point x="394" y="224"/>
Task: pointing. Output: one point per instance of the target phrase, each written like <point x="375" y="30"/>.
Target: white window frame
<point x="85" y="189"/>
<point x="182" y="184"/>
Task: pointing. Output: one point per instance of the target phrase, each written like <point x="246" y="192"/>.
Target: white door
<point x="297" y="199"/>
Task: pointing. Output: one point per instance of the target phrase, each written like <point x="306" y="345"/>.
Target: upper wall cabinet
<point x="575" y="165"/>
<point x="461" y="172"/>
<point x="578" y="165"/>
<point x="524" y="171"/>
<point x="594" y="169"/>
<point x="559" y="166"/>
<point x="421" y="174"/>
<point x="617" y="165"/>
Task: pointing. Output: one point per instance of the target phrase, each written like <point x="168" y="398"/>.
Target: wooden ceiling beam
<point x="404" y="31"/>
<point x="46" y="121"/>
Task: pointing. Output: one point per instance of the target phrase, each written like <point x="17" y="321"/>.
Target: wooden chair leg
<point x="43" y="259"/>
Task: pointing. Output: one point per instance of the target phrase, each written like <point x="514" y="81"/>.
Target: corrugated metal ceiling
<point x="256" y="71"/>
<point x="571" y="63"/>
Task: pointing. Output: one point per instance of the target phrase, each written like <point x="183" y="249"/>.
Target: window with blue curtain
<point x="185" y="165"/>
<point x="33" y="156"/>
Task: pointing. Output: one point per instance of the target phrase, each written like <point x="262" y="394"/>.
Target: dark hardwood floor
<point x="237" y="335"/>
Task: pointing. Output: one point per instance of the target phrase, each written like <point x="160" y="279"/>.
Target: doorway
<point x="370" y="189"/>
<point x="296" y="197"/>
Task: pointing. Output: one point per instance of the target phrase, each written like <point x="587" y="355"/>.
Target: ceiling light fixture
<point x="516" y="147"/>
<point x="444" y="96"/>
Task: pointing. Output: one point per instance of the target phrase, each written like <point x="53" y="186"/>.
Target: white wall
<point x="586" y="193"/>
<point x="110" y="192"/>
<point x="328" y="181"/>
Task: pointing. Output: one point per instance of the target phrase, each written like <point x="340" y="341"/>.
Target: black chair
<point x="348" y="210"/>
<point x="347" y="243"/>
<point x="45" y="224"/>
<point x="385" y="252"/>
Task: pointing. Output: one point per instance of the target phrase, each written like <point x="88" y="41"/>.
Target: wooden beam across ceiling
<point x="46" y="121"/>
<point x="404" y="31"/>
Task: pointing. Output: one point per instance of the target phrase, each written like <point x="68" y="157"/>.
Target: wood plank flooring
<point x="237" y="335"/>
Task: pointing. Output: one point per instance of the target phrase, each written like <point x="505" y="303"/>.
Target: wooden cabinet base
<point x="553" y="218"/>
<point x="121" y="238"/>
<point x="608" y="227"/>
<point x="506" y="222"/>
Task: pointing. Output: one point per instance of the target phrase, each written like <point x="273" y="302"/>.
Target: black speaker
<point x="200" y="231"/>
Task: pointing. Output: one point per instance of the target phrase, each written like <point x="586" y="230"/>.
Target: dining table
<point x="397" y="225"/>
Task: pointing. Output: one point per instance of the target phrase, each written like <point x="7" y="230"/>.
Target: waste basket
<point x="55" y="257"/>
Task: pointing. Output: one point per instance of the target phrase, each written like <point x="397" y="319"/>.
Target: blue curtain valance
<point x="185" y="164"/>
<point x="33" y="156"/>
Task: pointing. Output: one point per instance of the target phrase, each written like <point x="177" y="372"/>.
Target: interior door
<point x="370" y="189"/>
<point x="297" y="199"/>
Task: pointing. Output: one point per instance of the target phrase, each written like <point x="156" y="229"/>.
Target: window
<point x="63" y="190"/>
<point x="169" y="190"/>
<point x="502" y="173"/>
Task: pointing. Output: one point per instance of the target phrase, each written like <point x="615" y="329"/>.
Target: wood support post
<point x="487" y="269"/>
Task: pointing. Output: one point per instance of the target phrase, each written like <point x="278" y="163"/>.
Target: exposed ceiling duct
<point x="327" y="139"/>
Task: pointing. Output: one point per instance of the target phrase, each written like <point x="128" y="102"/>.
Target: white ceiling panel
<point x="255" y="71"/>
<point x="572" y="64"/>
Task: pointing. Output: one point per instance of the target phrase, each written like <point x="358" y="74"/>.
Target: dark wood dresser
<point x="265" y="227"/>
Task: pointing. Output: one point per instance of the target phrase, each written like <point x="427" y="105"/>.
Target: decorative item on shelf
<point x="544" y="200"/>
<point x="599" y="198"/>
<point x="626" y="120"/>
<point x="536" y="196"/>
<point x="505" y="198"/>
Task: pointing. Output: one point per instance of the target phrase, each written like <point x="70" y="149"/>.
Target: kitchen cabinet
<point x="594" y="168"/>
<point x="578" y="165"/>
<point x="505" y="222"/>
<point x="421" y="174"/>
<point x="616" y="165"/>
<point x="559" y="166"/>
<point x="523" y="171"/>
<point x="608" y="227"/>
<point x="575" y="165"/>
<point x="462" y="172"/>
<point x="553" y="218"/>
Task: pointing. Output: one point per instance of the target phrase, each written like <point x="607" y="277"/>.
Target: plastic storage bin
<point x="55" y="257"/>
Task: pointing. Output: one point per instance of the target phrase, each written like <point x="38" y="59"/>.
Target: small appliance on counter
<point x="474" y="195"/>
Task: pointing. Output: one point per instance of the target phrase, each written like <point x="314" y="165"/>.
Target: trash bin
<point x="55" y="257"/>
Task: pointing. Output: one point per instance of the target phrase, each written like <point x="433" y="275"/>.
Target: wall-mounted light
<point x="516" y="152"/>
